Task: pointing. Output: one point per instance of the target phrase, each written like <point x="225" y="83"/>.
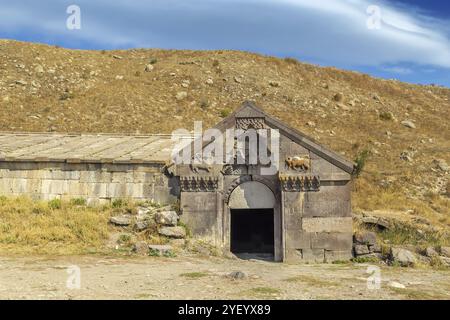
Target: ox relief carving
<point x="298" y="163"/>
<point x="250" y="123"/>
<point x="199" y="184"/>
<point x="300" y="183"/>
<point x="199" y="168"/>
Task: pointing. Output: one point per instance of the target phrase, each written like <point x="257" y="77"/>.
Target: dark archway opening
<point x="252" y="232"/>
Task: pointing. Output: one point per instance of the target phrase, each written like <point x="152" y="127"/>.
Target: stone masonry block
<point x="331" y="224"/>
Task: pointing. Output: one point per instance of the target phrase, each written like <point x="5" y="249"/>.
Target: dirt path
<point x="206" y="278"/>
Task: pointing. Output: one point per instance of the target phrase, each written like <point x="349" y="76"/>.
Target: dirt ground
<point x="207" y="278"/>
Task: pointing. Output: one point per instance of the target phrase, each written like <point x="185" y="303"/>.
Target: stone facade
<point x="309" y="193"/>
<point x="97" y="183"/>
<point x="311" y="201"/>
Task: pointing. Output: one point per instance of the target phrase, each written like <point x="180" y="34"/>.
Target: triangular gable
<point x="249" y="110"/>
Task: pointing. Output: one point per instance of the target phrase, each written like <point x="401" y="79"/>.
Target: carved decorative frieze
<point x="199" y="184"/>
<point x="299" y="183"/>
<point x="250" y="123"/>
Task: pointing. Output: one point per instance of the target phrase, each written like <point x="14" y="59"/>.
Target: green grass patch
<point x="194" y="275"/>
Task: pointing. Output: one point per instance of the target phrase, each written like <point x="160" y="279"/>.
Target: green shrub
<point x="360" y="160"/>
<point x="225" y="113"/>
<point x="54" y="204"/>
<point x="78" y="202"/>
<point x="119" y="203"/>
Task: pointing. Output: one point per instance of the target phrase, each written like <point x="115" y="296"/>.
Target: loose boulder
<point x="408" y="124"/>
<point x="141" y="248"/>
<point x="403" y="257"/>
<point x="141" y="226"/>
<point x="237" y="275"/>
<point x="173" y="232"/>
<point x="159" y="250"/>
<point x="121" y="221"/>
<point x="445" y="251"/>
<point x="167" y="218"/>
<point x="430" y="252"/>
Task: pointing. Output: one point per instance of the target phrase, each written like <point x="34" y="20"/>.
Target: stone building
<point x="299" y="212"/>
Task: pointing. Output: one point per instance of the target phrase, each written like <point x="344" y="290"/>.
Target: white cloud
<point x="324" y="31"/>
<point x="398" y="70"/>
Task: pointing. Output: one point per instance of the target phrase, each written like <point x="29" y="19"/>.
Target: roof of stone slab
<point x="86" y="148"/>
<point x="249" y="110"/>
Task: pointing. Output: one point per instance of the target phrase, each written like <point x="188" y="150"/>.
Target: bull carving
<point x="298" y="163"/>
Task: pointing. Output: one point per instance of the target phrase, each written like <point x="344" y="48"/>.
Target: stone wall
<point x="318" y="225"/>
<point x="97" y="183"/>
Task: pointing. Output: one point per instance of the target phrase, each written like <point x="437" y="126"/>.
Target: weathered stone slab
<point x="332" y="224"/>
<point x="332" y="241"/>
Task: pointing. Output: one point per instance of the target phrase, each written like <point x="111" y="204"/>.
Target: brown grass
<point x="29" y="227"/>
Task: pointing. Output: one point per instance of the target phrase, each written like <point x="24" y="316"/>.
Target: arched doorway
<point x="252" y="220"/>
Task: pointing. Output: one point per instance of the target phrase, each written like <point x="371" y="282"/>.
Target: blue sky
<point x="411" y="44"/>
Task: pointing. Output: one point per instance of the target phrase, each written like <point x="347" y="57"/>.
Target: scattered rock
<point x="237" y="79"/>
<point x="407" y="156"/>
<point x="237" y="275"/>
<point x="361" y="249"/>
<point x="402" y="256"/>
<point x="167" y="218"/>
<point x="398" y="285"/>
<point x="181" y="95"/>
<point x="142" y="211"/>
<point x="39" y="69"/>
<point x="173" y="232"/>
<point x="445" y="261"/>
<point x="158" y="249"/>
<point x="311" y="123"/>
<point x="430" y="252"/>
<point x="149" y="68"/>
<point x="122" y="221"/>
<point x="274" y="84"/>
<point x="141" y="226"/>
<point x="118" y="77"/>
<point x="185" y="83"/>
<point x="117" y="57"/>
<point x="367" y="238"/>
<point x="338" y="97"/>
<point x="445" y="251"/>
<point x="209" y="81"/>
<point x="441" y="164"/>
<point x="21" y="82"/>
<point x="408" y="124"/>
<point x="375" y="222"/>
<point x="343" y="107"/>
<point x="140" y="247"/>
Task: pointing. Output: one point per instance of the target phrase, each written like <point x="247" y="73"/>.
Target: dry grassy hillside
<point x="45" y="88"/>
